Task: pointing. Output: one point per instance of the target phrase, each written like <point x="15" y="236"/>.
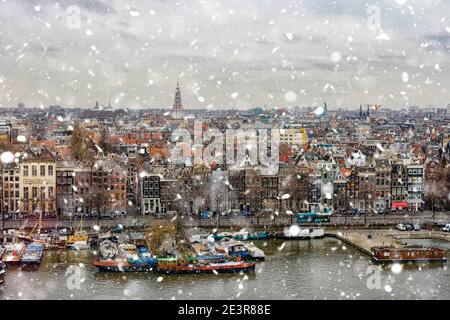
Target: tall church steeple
<point x="177" y="104"/>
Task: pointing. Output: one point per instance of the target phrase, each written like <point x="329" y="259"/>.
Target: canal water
<point x="316" y="269"/>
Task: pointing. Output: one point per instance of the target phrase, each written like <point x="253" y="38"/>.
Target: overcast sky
<point x="235" y="53"/>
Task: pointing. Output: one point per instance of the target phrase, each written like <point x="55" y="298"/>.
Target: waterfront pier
<point x="365" y="240"/>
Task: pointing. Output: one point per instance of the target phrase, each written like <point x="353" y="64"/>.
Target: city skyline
<point x="225" y="54"/>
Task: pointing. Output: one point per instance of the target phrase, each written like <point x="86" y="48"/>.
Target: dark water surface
<point x="316" y="269"/>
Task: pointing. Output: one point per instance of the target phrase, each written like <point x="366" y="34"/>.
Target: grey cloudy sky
<point x="236" y="53"/>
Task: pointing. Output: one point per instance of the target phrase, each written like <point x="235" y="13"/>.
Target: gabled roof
<point x="39" y="153"/>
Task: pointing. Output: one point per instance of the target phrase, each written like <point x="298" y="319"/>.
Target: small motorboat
<point x="78" y="245"/>
<point x="13" y="253"/>
<point x="255" y="252"/>
<point x="33" y="254"/>
<point x="295" y="232"/>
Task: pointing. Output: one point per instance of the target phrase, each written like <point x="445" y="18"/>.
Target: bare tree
<point x="78" y="142"/>
<point x="437" y="188"/>
<point x="98" y="197"/>
<point x="104" y="142"/>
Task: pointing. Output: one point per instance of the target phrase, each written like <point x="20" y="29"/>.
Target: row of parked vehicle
<point x="416" y="227"/>
<point x="20" y="216"/>
<point x="229" y="213"/>
<point x="408" y="227"/>
<point x="108" y="215"/>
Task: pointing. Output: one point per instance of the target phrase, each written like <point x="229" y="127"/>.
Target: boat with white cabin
<point x="295" y="232"/>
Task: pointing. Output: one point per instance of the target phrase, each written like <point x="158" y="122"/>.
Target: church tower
<point x="177" y="104"/>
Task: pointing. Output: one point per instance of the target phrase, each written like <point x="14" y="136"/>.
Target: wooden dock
<point x="364" y="240"/>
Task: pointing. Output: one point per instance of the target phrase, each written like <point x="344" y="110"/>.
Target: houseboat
<point x="124" y="258"/>
<point x="173" y="266"/>
<point x="407" y="254"/>
<point x="33" y="254"/>
<point x="113" y="265"/>
<point x="242" y="235"/>
<point x="233" y="249"/>
<point x="203" y="253"/>
<point x="296" y="233"/>
<point x="13" y="253"/>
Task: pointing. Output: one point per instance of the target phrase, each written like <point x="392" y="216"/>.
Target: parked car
<point x="105" y="216"/>
<point x="446" y="228"/>
<point x="416" y="227"/>
<point x="234" y="212"/>
<point x="205" y="215"/>
<point x="409" y="227"/>
<point x="354" y="211"/>
<point x="401" y="227"/>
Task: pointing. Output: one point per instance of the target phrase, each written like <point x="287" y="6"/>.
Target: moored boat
<point x="80" y="239"/>
<point x="294" y="232"/>
<point x="242" y="235"/>
<point x="113" y="265"/>
<point x="251" y="236"/>
<point x="202" y="253"/>
<point x="78" y="245"/>
<point x="128" y="250"/>
<point x="33" y="254"/>
<point x="13" y="253"/>
<point x="175" y="267"/>
<point x="255" y="252"/>
<point x="124" y="258"/>
<point x="407" y="254"/>
<point x="144" y="261"/>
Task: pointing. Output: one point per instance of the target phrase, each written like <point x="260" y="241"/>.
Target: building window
<point x="50" y="170"/>
<point x="42" y="172"/>
<point x="34" y="192"/>
<point x="34" y="171"/>
<point x="42" y="192"/>
<point x="50" y="191"/>
<point x="25" y="193"/>
<point x="25" y="171"/>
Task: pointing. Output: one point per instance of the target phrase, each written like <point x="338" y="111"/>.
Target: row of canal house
<point x="40" y="183"/>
